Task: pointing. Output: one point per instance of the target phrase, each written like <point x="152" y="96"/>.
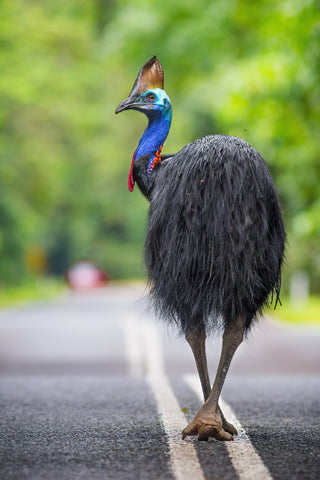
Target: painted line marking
<point x="184" y="460"/>
<point x="245" y="459"/>
<point x="134" y="347"/>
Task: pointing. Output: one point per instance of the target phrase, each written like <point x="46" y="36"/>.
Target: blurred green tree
<point x="250" y="70"/>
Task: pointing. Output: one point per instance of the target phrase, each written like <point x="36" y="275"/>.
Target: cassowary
<point x="215" y="238"/>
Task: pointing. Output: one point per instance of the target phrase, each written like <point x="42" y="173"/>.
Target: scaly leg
<point x="208" y="421"/>
<point x="197" y="342"/>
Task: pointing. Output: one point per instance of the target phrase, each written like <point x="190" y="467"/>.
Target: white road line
<point x="184" y="460"/>
<point x="242" y="453"/>
<point x="134" y="347"/>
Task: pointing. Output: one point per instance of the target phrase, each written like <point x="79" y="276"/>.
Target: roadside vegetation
<point x="298" y="313"/>
<point x="30" y="291"/>
<point x="245" y="69"/>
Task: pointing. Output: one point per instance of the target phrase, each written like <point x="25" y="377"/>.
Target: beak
<point x="125" y="105"/>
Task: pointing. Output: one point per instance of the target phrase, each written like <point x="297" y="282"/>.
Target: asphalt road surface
<point x="92" y="387"/>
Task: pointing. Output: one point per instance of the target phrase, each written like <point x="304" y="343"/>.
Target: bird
<point x="215" y="238"/>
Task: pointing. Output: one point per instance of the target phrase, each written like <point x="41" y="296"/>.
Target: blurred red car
<point x="85" y="275"/>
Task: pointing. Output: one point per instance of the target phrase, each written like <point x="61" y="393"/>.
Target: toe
<point x="204" y="433"/>
<point x="223" y="435"/>
<point x="191" y="429"/>
<point x="228" y="427"/>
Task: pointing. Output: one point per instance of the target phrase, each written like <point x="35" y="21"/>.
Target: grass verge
<point x="297" y="312"/>
<point x="39" y="289"/>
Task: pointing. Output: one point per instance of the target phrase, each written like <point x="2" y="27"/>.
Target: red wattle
<point x="130" y="177"/>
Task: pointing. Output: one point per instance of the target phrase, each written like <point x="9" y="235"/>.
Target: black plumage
<point x="215" y="236"/>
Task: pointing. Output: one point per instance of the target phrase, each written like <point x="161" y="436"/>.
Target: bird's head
<point x="147" y="94"/>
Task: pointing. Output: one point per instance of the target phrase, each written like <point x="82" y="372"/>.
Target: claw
<point x="223" y="435"/>
<point x="228" y="427"/>
<point x="189" y="430"/>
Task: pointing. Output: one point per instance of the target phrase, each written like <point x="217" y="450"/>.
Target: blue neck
<point x="155" y="134"/>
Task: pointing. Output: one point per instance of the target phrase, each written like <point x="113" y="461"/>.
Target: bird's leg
<point x="197" y="342"/>
<point x="208" y="421"/>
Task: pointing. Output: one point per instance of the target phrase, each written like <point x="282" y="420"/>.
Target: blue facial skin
<point x="156" y="104"/>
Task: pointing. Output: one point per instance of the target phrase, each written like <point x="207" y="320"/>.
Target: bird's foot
<point x="207" y="424"/>
<point x="227" y="426"/>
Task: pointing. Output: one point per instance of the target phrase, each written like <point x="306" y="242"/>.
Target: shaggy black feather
<point x="215" y="238"/>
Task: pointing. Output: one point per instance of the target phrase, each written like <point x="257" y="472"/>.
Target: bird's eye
<point x="151" y="97"/>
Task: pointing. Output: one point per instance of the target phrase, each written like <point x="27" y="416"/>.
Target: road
<point x="92" y="387"/>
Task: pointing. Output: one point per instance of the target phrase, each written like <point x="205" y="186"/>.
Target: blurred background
<point x="250" y="69"/>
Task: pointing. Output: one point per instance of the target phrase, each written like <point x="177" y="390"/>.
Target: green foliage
<point x="299" y="313"/>
<point x="243" y="68"/>
<point x="31" y="290"/>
